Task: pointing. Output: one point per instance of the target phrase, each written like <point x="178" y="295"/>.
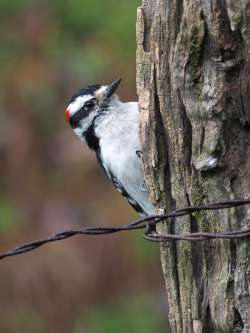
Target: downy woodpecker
<point x="111" y="129"/>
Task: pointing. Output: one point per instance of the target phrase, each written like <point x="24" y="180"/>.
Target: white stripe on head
<point x="78" y="103"/>
<point x="100" y="93"/>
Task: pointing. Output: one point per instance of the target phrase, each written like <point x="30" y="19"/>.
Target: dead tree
<point x="193" y="64"/>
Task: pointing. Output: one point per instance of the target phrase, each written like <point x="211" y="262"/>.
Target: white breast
<point x="119" y="141"/>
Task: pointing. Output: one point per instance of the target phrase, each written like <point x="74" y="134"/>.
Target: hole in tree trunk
<point x="238" y="323"/>
<point x="209" y="327"/>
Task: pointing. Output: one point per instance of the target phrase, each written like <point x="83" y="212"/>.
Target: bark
<point x="193" y="64"/>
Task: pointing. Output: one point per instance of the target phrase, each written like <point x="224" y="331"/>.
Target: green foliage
<point x="87" y="39"/>
<point x="133" y="315"/>
<point x="7" y="215"/>
<point x="144" y="251"/>
<point x="23" y="319"/>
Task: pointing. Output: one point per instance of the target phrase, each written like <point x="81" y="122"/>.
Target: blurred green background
<point x="50" y="181"/>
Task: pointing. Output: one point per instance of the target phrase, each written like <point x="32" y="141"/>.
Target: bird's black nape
<point x="89" y="90"/>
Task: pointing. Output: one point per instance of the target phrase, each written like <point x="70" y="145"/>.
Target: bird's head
<point x="87" y="103"/>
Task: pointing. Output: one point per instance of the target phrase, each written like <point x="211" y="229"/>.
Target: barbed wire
<point x="147" y="223"/>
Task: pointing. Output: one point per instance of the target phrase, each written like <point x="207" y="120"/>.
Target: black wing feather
<point x="119" y="186"/>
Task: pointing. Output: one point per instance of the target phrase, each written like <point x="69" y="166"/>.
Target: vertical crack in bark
<point x="179" y="12"/>
<point x="197" y="265"/>
<point x="208" y="323"/>
<point x="176" y="274"/>
<point x="202" y="139"/>
<point x="162" y="148"/>
<point x="187" y="134"/>
<point x="162" y="143"/>
<point x="238" y="323"/>
<point x="148" y="11"/>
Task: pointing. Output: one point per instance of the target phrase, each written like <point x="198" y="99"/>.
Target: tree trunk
<point x="193" y="64"/>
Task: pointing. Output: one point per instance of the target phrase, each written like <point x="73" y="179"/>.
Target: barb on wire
<point x="147" y="223"/>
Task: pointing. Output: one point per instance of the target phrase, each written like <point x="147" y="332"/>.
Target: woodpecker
<point x="111" y="129"/>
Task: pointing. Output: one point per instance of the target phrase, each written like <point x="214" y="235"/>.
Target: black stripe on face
<point x="82" y="113"/>
<point x="91" y="139"/>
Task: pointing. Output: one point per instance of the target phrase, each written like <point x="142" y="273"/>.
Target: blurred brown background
<point x="50" y="181"/>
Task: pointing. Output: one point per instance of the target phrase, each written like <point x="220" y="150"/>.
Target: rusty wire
<point x="149" y="224"/>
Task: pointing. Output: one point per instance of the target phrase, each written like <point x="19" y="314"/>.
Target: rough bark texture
<point x="193" y="65"/>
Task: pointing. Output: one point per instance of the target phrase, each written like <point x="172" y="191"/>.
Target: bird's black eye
<point x="89" y="104"/>
<point x="82" y="113"/>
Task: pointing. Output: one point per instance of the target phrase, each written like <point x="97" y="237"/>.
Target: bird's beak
<point x="112" y="88"/>
<point x="105" y="92"/>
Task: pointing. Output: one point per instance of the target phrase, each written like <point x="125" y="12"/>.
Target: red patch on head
<point x="67" y="115"/>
